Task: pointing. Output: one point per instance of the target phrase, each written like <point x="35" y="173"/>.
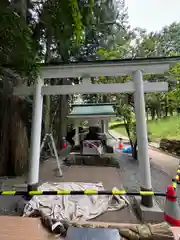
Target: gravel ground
<point x="130" y="172"/>
<point x="8" y="204"/>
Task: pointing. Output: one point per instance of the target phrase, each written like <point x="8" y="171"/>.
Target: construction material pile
<point x="59" y="208"/>
<point x="138" y="231"/>
<point x="126" y="231"/>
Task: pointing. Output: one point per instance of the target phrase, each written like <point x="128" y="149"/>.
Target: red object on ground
<point x="65" y="145"/>
<point x="121" y="146"/>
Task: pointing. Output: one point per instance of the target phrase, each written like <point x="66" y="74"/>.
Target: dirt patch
<point x="171" y="146"/>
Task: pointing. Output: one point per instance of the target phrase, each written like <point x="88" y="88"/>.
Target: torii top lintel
<point x="121" y="67"/>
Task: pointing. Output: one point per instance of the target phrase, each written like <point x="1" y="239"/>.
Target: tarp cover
<point x="72" y="207"/>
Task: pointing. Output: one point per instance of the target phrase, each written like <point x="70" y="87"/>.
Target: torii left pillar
<point x="34" y="161"/>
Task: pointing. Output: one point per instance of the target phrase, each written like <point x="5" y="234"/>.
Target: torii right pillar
<point x="148" y="210"/>
<point x="142" y="138"/>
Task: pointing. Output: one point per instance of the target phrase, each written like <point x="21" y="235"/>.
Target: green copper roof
<point x="92" y="110"/>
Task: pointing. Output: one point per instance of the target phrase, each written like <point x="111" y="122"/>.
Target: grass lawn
<point x="164" y="128"/>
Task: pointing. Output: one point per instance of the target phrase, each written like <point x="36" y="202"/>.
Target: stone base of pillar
<point x="20" y="205"/>
<point x="148" y="214"/>
<point x="32" y="187"/>
<point x="25" y="199"/>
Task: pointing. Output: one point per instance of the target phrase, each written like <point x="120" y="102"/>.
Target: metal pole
<point x="33" y="177"/>
<point x="142" y="138"/>
<point x="56" y="155"/>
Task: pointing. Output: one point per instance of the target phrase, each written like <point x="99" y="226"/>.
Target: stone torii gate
<point x="135" y="68"/>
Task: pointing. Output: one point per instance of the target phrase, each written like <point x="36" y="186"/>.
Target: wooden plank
<point x="20" y="228"/>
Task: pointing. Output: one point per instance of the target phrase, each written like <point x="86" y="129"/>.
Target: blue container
<point x="127" y="150"/>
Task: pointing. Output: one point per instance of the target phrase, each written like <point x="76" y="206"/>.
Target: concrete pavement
<point x="165" y="162"/>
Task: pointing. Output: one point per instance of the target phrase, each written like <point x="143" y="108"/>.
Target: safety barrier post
<point x="176" y="180"/>
<point x="86" y="192"/>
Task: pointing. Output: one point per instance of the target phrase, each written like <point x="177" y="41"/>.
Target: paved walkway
<point x="129" y="176"/>
<point x="109" y="176"/>
<point x="163" y="169"/>
<point x="165" y="162"/>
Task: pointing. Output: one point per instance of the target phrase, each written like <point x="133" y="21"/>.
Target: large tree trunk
<point x="4" y="135"/>
<point x="47" y="117"/>
<point x="13" y="136"/>
<point x="134" y="151"/>
<point x="19" y="141"/>
<point x="62" y="120"/>
<point x="166" y="106"/>
<point x="153" y="114"/>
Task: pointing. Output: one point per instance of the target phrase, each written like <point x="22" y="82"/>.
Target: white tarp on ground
<point x="73" y="208"/>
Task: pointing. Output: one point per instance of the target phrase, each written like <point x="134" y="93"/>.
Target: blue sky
<point x="153" y="14"/>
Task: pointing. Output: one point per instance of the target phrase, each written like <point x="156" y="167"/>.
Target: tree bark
<point x="166" y="106"/>
<point x="62" y="114"/>
<point x="47" y="117"/>
<point x="13" y="133"/>
<point x="134" y="151"/>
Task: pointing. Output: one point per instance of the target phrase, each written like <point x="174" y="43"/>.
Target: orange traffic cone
<point x="172" y="209"/>
<point x="65" y="143"/>
<point x="121" y="145"/>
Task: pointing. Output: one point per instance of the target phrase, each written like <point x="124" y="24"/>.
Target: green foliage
<point x="163" y="43"/>
<point x="63" y="20"/>
<point x="163" y="128"/>
<point x="17" y="46"/>
<point x="130" y="123"/>
<point x="88" y="30"/>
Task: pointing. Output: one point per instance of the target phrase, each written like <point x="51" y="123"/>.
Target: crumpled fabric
<point x="54" y="210"/>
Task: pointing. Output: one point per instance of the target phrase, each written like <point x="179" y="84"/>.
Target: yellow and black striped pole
<point x="176" y="180"/>
<point x="86" y="192"/>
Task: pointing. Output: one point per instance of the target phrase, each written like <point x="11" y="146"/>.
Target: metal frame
<point x="52" y="147"/>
